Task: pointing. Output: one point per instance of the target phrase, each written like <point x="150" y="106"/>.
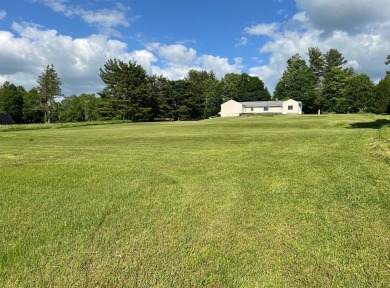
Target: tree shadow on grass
<point x="377" y="124"/>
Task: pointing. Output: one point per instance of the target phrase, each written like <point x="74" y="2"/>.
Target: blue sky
<point x="171" y="37"/>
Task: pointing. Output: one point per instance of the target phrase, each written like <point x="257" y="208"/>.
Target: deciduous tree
<point x="381" y="103"/>
<point x="11" y="101"/>
<point x="298" y="82"/>
<point x="359" y="93"/>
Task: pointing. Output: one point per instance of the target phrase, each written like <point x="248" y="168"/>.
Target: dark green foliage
<point x="253" y="89"/>
<point x="31" y="107"/>
<point x="49" y="86"/>
<point x="126" y="90"/>
<point x="387" y="62"/>
<point x="333" y="59"/>
<point x="359" y="93"/>
<point x="299" y="83"/>
<point x="131" y="94"/>
<point x="333" y="91"/>
<point x="381" y="103"/>
<point x="328" y="86"/>
<point x="11" y="101"/>
<point x="317" y="61"/>
<point x="79" y="108"/>
<point x="243" y="88"/>
<point x="204" y="88"/>
<point x="230" y="87"/>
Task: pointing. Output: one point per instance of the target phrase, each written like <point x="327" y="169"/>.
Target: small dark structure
<point x="6" y="119"/>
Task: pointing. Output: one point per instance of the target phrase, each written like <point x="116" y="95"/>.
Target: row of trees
<point x="324" y="84"/>
<point x="130" y="94"/>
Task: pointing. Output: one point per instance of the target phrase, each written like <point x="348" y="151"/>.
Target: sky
<point x="171" y="37"/>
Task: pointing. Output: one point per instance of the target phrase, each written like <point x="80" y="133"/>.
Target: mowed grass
<point x="282" y="201"/>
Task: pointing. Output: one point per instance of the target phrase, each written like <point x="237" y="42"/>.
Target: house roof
<point x="6" y="119"/>
<point x="263" y="104"/>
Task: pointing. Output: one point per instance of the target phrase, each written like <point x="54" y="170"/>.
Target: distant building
<point x="234" y="108"/>
<point x="6" y="119"/>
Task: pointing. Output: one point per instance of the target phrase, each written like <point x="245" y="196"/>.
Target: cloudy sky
<point x="173" y="36"/>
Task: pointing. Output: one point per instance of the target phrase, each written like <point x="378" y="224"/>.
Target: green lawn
<point x="282" y="201"/>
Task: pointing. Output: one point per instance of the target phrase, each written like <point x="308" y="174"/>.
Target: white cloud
<point x="56" y="5"/>
<point x="106" y="20"/>
<point x="24" y="57"/>
<point x="301" y="17"/>
<point x="176" y="53"/>
<point x="263" y="29"/>
<point x="346" y="15"/>
<point x="334" y="26"/>
<point x="30" y="49"/>
<point x="178" y="59"/>
<point x="3" y="14"/>
<point x="221" y="65"/>
<point x="145" y="59"/>
<point x="242" y="42"/>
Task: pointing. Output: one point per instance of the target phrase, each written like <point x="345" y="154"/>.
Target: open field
<point x="243" y="202"/>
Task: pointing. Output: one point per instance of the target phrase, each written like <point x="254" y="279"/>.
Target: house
<point x="6" y="119"/>
<point x="234" y="108"/>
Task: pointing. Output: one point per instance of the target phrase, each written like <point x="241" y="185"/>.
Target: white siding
<point x="292" y="107"/>
<point x="234" y="108"/>
<point x="231" y="108"/>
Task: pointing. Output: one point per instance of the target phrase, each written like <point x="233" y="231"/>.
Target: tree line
<point x="130" y="94"/>
<point x="325" y="84"/>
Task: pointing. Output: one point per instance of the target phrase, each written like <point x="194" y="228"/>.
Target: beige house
<point x="234" y="108"/>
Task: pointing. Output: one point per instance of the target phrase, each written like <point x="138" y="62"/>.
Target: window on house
<point x="266" y="108"/>
<point x="252" y="109"/>
<point x="290" y="107"/>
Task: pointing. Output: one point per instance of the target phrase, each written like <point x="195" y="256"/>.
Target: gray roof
<point x="6" y="119"/>
<point x="263" y="104"/>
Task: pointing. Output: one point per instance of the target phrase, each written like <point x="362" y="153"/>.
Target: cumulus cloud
<point x="360" y="31"/>
<point x="24" y="56"/>
<point x="263" y="29"/>
<point x="27" y="51"/>
<point x="176" y="60"/>
<point x="106" y="20"/>
<point x="345" y="15"/>
<point x="176" y="53"/>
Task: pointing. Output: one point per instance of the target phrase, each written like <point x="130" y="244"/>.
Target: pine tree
<point x="126" y="89"/>
<point x="49" y="86"/>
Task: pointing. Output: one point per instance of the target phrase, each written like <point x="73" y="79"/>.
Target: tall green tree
<point x="78" y="108"/>
<point x="252" y="88"/>
<point x="359" y="93"/>
<point x="184" y="107"/>
<point x="31" y="107"/>
<point x="49" y="86"/>
<point x="381" y="103"/>
<point x="333" y="59"/>
<point x="161" y="87"/>
<point x="298" y="82"/>
<point x="230" y="84"/>
<point x="333" y="91"/>
<point x="203" y="88"/>
<point x="387" y="62"/>
<point x="317" y="61"/>
<point x="243" y="87"/>
<point x="11" y="101"/>
<point x="126" y="89"/>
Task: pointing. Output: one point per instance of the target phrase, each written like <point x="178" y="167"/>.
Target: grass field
<point x="282" y="201"/>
